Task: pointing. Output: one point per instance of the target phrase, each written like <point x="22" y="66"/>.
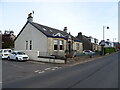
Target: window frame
<point x="30" y="45"/>
<point x="77" y="46"/>
<point x="61" y="44"/>
<point x="26" y="45"/>
<point x="55" y="44"/>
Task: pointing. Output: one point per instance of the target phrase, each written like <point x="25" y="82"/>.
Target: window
<point x="30" y="45"/>
<point x="26" y="45"/>
<point x="77" y="46"/>
<point x="14" y="53"/>
<point x="61" y="44"/>
<point x="55" y="44"/>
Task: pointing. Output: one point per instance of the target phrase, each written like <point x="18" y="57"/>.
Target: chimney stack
<point x="80" y="34"/>
<point x="30" y="18"/>
<point x="65" y="29"/>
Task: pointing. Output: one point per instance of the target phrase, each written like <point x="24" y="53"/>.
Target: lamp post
<point x="104" y="38"/>
<point x="104" y="31"/>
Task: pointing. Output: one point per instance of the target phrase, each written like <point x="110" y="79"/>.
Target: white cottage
<point x="40" y="40"/>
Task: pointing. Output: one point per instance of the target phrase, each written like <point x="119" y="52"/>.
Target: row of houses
<point x="40" y="40"/>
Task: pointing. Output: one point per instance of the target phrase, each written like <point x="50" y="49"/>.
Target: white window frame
<point x="61" y="44"/>
<point x="26" y="45"/>
<point x="31" y="45"/>
<point x="55" y="43"/>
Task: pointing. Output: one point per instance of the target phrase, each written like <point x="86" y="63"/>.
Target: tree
<point x="7" y="39"/>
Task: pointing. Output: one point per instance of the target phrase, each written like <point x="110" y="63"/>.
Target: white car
<point x="4" y="53"/>
<point x="87" y="52"/>
<point x="16" y="55"/>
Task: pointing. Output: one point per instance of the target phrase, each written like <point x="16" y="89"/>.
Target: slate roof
<point x="51" y="32"/>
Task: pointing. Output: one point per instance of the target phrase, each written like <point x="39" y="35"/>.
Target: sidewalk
<point x="73" y="61"/>
<point x="81" y="59"/>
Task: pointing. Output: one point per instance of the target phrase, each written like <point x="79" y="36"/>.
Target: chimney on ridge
<point x="65" y="29"/>
<point x="30" y="18"/>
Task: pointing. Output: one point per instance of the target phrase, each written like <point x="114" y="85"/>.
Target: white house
<point x="40" y="40"/>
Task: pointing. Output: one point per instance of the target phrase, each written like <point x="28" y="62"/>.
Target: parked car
<point x="87" y="52"/>
<point x="19" y="56"/>
<point x="4" y="53"/>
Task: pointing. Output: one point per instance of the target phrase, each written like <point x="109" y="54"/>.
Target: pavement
<point x="73" y="61"/>
<point x="83" y="59"/>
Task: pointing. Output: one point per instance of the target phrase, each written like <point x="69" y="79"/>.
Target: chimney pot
<point x="65" y="29"/>
<point x="80" y="33"/>
<point x="30" y="18"/>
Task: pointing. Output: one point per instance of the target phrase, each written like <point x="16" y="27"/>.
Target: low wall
<point x="50" y="60"/>
<point x="33" y="55"/>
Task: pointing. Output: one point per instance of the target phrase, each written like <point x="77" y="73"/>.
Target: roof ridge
<point x="49" y="27"/>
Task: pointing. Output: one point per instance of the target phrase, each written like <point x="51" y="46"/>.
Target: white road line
<point x="53" y="69"/>
<point x="37" y="71"/>
<point x="47" y="68"/>
<point x="0" y="82"/>
<point x="41" y="72"/>
<point x="56" y="67"/>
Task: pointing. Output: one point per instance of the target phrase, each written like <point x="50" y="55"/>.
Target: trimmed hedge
<point x="109" y="50"/>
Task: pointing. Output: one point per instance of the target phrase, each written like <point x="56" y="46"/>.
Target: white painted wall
<point x="39" y="40"/>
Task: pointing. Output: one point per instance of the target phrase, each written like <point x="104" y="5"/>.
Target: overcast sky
<point x="86" y="17"/>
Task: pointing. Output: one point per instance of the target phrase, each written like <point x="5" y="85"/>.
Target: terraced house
<point x="40" y="40"/>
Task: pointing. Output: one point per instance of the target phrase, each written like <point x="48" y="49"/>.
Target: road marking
<point x="53" y="69"/>
<point x="37" y="71"/>
<point x="41" y="72"/>
<point x="47" y="68"/>
<point x="0" y="82"/>
<point x="56" y="67"/>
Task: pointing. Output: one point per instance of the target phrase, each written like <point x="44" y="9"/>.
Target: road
<point x="100" y="73"/>
<point x="14" y="71"/>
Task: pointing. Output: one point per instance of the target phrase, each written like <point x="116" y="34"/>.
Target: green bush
<point x="109" y="50"/>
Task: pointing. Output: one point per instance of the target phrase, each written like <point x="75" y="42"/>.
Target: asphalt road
<point x="14" y="71"/>
<point x="100" y="73"/>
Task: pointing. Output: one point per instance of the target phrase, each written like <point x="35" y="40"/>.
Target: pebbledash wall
<point x="39" y="40"/>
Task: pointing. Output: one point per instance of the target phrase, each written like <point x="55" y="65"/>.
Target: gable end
<point x="21" y="30"/>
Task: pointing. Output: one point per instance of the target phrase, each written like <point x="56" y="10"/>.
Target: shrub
<point x="109" y="50"/>
<point x="68" y="56"/>
<point x="66" y="51"/>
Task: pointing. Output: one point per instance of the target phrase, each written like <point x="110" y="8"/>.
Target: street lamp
<point x="103" y="41"/>
<point x="103" y="31"/>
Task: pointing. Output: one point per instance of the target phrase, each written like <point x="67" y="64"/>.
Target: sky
<point x="86" y="17"/>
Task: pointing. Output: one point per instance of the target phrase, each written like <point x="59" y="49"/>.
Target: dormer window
<point x="59" y="34"/>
